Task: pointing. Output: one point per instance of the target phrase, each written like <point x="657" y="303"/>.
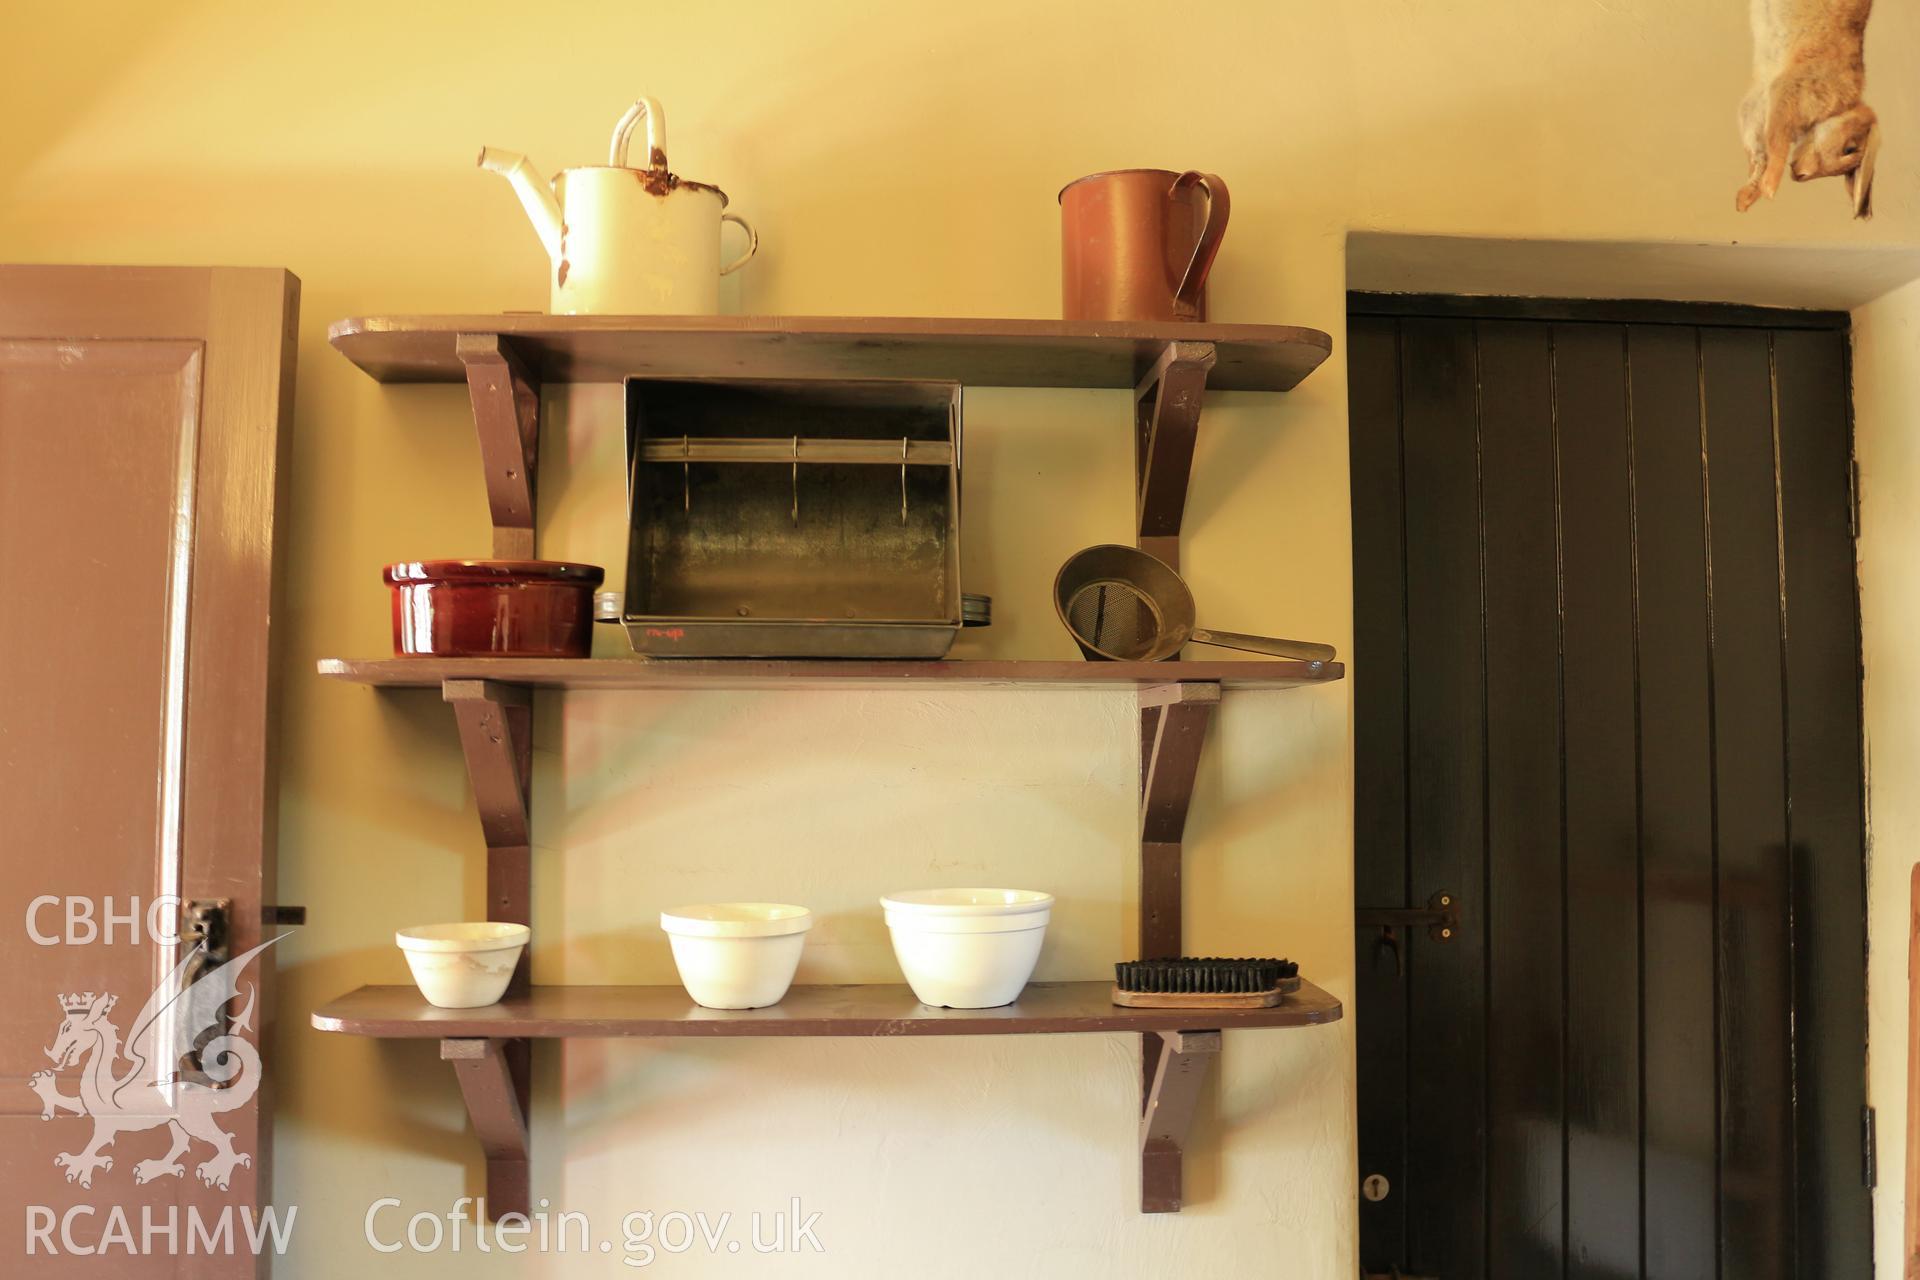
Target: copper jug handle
<point x="1186" y="299"/>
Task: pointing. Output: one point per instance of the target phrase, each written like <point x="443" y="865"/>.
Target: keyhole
<point x="1374" y="1187"/>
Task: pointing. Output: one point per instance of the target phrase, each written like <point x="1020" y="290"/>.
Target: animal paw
<point x="147" y="1170"/>
<point x="1744" y="198"/>
<point x="80" y="1167"/>
<point x="218" y="1171"/>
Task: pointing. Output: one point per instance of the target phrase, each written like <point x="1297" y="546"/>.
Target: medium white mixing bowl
<point x="737" y="955"/>
<point x="967" y="948"/>
<point x="466" y="965"/>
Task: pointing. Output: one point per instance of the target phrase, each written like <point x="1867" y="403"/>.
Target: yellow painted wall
<point x="1886" y="385"/>
<point x="898" y="159"/>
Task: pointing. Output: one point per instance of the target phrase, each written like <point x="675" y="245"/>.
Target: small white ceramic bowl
<point x="463" y="966"/>
<point x="737" y="955"/>
<point x="967" y="948"/>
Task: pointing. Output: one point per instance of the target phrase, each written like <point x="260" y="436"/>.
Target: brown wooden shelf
<point x="399" y="1012"/>
<point x="751" y="673"/>
<point x="505" y="360"/>
<point x="990" y="353"/>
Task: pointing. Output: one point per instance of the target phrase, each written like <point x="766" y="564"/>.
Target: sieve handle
<point x="1305" y="650"/>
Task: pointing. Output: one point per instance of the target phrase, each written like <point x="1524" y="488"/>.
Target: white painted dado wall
<point x="898" y="160"/>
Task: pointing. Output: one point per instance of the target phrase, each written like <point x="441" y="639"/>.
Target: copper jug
<point x="1136" y="244"/>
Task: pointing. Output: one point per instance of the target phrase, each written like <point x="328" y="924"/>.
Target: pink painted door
<point x="142" y="435"/>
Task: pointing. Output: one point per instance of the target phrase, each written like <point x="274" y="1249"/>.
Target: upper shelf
<point x="752" y="673"/>
<point x="989" y="353"/>
<point x="890" y="1011"/>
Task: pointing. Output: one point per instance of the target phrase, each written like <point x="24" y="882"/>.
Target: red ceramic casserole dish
<point x="492" y="608"/>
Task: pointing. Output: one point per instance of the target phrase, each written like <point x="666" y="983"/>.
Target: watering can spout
<point x="535" y="195"/>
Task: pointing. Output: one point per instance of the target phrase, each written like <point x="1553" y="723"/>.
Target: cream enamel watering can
<point x="627" y="241"/>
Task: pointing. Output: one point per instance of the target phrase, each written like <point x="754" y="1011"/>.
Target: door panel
<point x="1380" y="624"/>
<point x="1445" y="1037"/>
<point x="125" y="426"/>
<point x="1825" y="824"/>
<point x="1522" y="887"/>
<point x="141" y="463"/>
<point x="1616" y="716"/>
<point x="1602" y="870"/>
<point x="1743" y="597"/>
<point x="1679" y="1190"/>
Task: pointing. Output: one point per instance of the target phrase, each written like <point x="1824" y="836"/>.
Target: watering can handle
<point x="1186" y="299"/>
<point x="753" y="242"/>
<point x="656" y="119"/>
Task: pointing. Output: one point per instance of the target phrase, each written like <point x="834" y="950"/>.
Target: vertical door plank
<point x="1602" y="794"/>
<point x="1380" y="783"/>
<point x="1524" y="887"/>
<point x="1446" y="1173"/>
<point x="1679" y="1117"/>
<point x="1754" y="963"/>
<point x="1824" y="774"/>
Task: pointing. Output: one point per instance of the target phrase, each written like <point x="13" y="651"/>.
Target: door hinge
<point x="1869" y="1149"/>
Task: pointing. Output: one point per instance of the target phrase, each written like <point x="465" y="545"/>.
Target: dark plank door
<point x="142" y="441"/>
<point x="1607" y="691"/>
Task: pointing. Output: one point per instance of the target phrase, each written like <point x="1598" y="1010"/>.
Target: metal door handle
<point x="1441" y="916"/>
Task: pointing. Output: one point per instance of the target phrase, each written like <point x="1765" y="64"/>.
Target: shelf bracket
<point x="506" y="414"/>
<point x="496" y="736"/>
<point x="497" y="1105"/>
<point x="495" y="733"/>
<point x="1173" y="728"/>
<point x="1166" y="1116"/>
<point x="1166" y="419"/>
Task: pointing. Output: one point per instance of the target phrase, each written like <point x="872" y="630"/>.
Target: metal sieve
<point x="1123" y="605"/>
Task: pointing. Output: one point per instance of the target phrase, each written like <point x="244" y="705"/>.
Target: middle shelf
<point x="755" y="673"/>
<point x="400" y="1012"/>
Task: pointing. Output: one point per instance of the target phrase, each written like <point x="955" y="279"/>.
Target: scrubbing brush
<point x="1207" y="982"/>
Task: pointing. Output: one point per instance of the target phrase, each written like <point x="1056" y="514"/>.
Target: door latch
<point x="1440" y="917"/>
<point x="207" y="923"/>
<point x="206" y="930"/>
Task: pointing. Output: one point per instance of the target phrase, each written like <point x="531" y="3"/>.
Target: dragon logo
<point x="148" y="1094"/>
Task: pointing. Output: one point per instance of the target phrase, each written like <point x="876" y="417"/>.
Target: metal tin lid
<point x="608" y="605"/>
<point x="976" y="610"/>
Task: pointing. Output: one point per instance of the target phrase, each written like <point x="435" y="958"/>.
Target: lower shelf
<point x="399" y="1012"/>
<point x="488" y="1048"/>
